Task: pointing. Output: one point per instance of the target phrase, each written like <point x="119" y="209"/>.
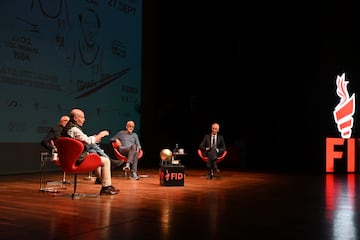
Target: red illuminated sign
<point x="343" y="116"/>
<point x="344" y="111"/>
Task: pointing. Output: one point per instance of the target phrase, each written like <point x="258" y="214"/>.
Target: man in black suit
<point x="53" y="133"/>
<point x="212" y="146"/>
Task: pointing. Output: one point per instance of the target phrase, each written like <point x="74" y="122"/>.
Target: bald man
<point x="73" y="130"/>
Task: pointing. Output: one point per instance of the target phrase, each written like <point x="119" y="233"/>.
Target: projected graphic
<point x="56" y="55"/>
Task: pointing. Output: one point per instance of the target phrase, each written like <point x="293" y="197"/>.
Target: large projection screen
<point x="56" y="55"/>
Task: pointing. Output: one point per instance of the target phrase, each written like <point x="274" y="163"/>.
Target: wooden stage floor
<point x="235" y="204"/>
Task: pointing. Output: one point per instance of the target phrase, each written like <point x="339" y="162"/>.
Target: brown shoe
<point x="110" y="190"/>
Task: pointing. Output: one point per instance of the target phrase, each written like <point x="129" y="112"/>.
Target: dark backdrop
<point x="265" y="72"/>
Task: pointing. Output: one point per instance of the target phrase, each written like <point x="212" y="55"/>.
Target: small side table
<point x="177" y="157"/>
<point x="171" y="175"/>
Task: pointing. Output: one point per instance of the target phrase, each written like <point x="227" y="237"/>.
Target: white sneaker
<point x="134" y="176"/>
<point x="127" y="166"/>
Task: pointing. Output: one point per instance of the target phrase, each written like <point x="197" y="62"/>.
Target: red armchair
<point x="69" y="151"/>
<point x="119" y="156"/>
<point x="205" y="159"/>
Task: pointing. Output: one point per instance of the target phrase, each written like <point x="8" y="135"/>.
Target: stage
<point x="234" y="204"/>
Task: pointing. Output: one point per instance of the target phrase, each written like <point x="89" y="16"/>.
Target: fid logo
<point x="342" y="149"/>
<point x="345" y="109"/>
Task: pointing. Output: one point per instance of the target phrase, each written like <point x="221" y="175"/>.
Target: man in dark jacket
<point x="55" y="132"/>
<point x="212" y="146"/>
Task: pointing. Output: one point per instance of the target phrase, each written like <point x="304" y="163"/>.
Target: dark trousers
<point x="132" y="156"/>
<point x="212" y="155"/>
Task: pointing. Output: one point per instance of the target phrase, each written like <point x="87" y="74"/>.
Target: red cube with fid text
<point x="171" y="175"/>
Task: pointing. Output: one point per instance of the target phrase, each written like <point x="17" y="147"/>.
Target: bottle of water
<point x="54" y="154"/>
<point x="176" y="150"/>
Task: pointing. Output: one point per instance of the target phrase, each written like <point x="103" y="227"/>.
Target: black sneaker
<point x="110" y="190"/>
<point x="97" y="181"/>
<point x="210" y="174"/>
<point x="134" y="176"/>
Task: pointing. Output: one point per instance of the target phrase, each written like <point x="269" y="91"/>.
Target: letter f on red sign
<point x="331" y="154"/>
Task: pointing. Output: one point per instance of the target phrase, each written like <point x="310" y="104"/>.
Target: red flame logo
<point x="345" y="109"/>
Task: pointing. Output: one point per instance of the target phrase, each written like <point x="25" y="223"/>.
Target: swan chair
<point x="206" y="159"/>
<point x="119" y="156"/>
<point x="69" y="151"/>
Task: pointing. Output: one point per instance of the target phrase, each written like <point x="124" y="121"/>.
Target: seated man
<point x="212" y="146"/>
<point x="129" y="145"/>
<point x="50" y="138"/>
<point x="73" y="129"/>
